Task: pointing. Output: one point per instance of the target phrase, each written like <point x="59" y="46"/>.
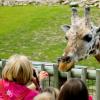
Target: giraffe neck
<point x="95" y="49"/>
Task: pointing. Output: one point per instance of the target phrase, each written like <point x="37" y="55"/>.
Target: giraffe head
<point x="81" y="36"/>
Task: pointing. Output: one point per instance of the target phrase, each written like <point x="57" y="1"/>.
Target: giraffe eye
<point x="87" y="38"/>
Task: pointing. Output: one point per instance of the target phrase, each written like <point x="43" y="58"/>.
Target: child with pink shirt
<point x="17" y="76"/>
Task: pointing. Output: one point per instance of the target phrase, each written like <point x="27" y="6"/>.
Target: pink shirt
<point x="90" y="98"/>
<point x="15" y="91"/>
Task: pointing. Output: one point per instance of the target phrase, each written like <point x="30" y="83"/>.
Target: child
<point x="16" y="76"/>
<point x="44" y="96"/>
<point x="73" y="89"/>
<point x="53" y="91"/>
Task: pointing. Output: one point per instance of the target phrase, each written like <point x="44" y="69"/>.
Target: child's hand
<point x="43" y="75"/>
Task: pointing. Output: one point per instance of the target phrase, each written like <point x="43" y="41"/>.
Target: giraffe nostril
<point x="59" y="59"/>
<point x="63" y="58"/>
<point x="68" y="59"/>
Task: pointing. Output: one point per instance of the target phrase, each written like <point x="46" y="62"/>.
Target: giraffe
<point x="83" y="40"/>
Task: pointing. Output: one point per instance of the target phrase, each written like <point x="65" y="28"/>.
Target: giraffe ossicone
<point x="83" y="40"/>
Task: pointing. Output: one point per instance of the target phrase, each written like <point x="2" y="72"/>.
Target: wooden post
<point x="68" y="74"/>
<point x="43" y="82"/>
<point x="84" y="75"/>
<point x="3" y="63"/>
<point x="97" y="84"/>
<point x="56" y="76"/>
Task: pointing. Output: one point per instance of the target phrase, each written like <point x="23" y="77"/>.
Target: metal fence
<point x="90" y="77"/>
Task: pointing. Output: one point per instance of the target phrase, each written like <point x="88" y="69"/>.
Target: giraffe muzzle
<point x="65" y="63"/>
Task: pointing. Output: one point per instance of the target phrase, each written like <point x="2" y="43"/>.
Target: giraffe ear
<point x="98" y="30"/>
<point x="65" y="28"/>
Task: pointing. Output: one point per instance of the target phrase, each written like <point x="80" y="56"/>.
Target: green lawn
<point x="35" y="31"/>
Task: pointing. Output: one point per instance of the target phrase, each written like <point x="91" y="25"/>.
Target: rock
<point x="77" y="3"/>
<point x="66" y="2"/>
<point x="47" y="1"/>
<point x="74" y="4"/>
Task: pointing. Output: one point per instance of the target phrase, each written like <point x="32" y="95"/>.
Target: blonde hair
<point x="53" y="91"/>
<point x="44" y="96"/>
<point x="18" y="69"/>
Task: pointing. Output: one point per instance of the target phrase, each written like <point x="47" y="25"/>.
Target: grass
<point x="35" y="31"/>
